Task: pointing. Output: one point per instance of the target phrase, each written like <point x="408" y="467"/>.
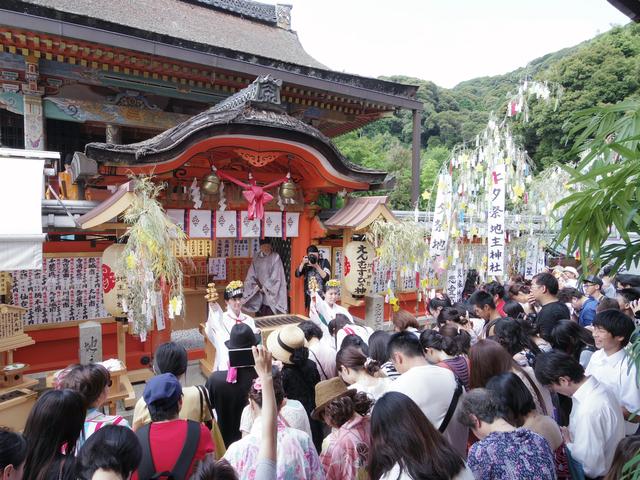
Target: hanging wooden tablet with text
<point x="358" y="267"/>
<point x="114" y="283"/>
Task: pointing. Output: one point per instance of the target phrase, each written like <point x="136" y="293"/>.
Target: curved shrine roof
<point x="256" y="111"/>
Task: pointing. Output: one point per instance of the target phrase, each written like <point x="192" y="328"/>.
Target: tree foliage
<point x="604" y="70"/>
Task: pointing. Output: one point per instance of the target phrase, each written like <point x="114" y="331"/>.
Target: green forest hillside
<point x="603" y="70"/>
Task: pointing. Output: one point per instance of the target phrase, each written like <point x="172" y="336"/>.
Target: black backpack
<point x="147" y="469"/>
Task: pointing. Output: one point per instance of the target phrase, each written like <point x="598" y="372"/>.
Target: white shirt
<point x="596" y="426"/>
<point x="376" y="389"/>
<point x="218" y="329"/>
<point x="292" y="412"/>
<point x="394" y="474"/>
<point x="432" y="388"/>
<point x="618" y="373"/>
<point x="324" y="355"/>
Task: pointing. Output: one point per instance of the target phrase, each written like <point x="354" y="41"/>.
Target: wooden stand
<point x="16" y="400"/>
<point x="135" y="376"/>
<point x="15" y="405"/>
<point x="206" y="364"/>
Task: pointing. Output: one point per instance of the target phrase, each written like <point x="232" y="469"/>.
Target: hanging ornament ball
<point x="288" y="189"/>
<point x="211" y="183"/>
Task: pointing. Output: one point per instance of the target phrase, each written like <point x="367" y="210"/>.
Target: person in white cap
<point x="570" y="275"/>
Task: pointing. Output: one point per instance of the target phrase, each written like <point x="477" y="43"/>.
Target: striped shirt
<point x="95" y="420"/>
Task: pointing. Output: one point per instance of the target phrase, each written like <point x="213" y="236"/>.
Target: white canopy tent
<point x="21" y="195"/>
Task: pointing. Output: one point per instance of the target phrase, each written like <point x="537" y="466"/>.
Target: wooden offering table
<point x="117" y="390"/>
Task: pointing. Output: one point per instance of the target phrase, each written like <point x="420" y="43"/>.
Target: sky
<point x="445" y="41"/>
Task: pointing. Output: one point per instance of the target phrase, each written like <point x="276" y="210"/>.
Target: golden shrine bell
<point x="211" y="183"/>
<point x="288" y="189"/>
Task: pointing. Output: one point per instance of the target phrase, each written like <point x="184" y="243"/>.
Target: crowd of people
<point x="530" y="379"/>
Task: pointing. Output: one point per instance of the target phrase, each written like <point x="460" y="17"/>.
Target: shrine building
<point x="210" y="97"/>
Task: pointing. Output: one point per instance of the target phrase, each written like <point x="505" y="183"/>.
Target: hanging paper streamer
<point x="440" y="226"/>
<point x="195" y="194"/>
<point x="531" y="262"/>
<point x="496" y="232"/>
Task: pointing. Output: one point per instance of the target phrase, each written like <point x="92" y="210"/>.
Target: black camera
<point x="313" y="259"/>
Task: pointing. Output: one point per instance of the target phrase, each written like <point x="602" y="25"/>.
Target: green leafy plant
<point x="608" y="186"/>
<point x="149" y="262"/>
<point x="608" y="178"/>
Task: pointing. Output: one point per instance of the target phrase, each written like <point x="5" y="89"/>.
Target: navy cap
<point x="164" y="389"/>
<point x="593" y="279"/>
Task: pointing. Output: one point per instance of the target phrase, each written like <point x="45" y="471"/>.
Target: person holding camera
<point x="313" y="266"/>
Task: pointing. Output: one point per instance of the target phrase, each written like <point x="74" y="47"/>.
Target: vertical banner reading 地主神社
<point x="495" y="220"/>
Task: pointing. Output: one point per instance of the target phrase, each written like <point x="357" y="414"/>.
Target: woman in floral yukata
<point x="297" y="458"/>
<point x="345" y="411"/>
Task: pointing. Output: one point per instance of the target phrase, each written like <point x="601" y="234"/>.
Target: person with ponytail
<point x="514" y="337"/>
<point x="361" y="373"/>
<point x="13" y="451"/>
<point x="446" y="351"/>
<point x="406" y="446"/>
<point x="345" y="411"/>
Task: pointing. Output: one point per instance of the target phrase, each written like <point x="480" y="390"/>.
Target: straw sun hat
<point x="329" y="390"/>
<point x="282" y="343"/>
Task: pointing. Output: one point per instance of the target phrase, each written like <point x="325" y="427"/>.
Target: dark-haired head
<point x="619" y="325"/>
<point x="56" y="420"/>
<point x="112" y="448"/>
<point x="310" y="329"/>
<point x="513" y="309"/>
<point x="607" y="303"/>
<point x="461" y="336"/>
<point x="351" y="358"/>
<point x="379" y="346"/>
<point x="558" y="369"/>
<point x="90" y="381"/>
<point x="483" y="304"/>
<point x="13" y="451"/>
<point x="405" y="348"/>
<point x="513" y="336"/>
<point x="627" y="280"/>
<point x="495" y="289"/>
<point x="355" y="341"/>
<point x="338" y="323"/>
<point x="519" y="292"/>
<point x="570" y="295"/>
<point x="571" y="337"/>
<point x="544" y="283"/>
<point x="627" y="295"/>
<point x="255" y="391"/>
<point x="452" y="314"/>
<point x="402" y="435"/>
<point x="430" y="339"/>
<point x="342" y="409"/>
<point x="211" y="469"/>
<point x="438" y="303"/>
<point x="170" y="357"/>
<point x="488" y="358"/>
<point x="513" y="396"/>
<point x="402" y="320"/>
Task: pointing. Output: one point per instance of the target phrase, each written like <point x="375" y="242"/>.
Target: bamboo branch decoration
<point x="151" y="268"/>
